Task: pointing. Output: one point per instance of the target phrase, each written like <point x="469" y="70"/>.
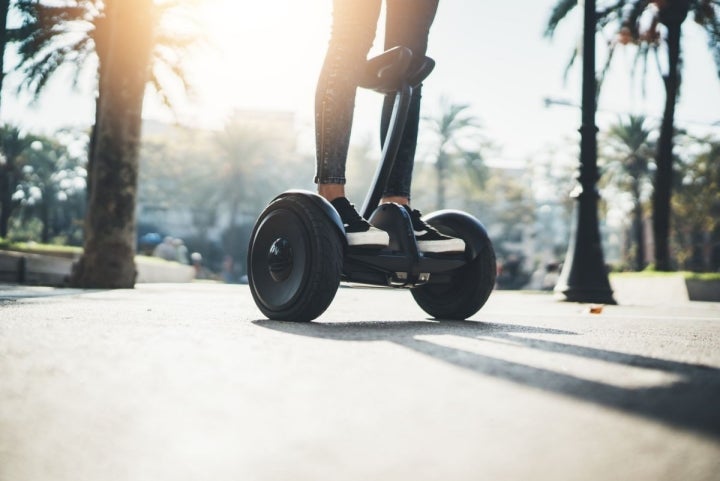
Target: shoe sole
<point x="368" y="239"/>
<point x="442" y="246"/>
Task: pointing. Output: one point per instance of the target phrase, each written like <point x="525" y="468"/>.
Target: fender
<point x="325" y="206"/>
<point x="461" y="224"/>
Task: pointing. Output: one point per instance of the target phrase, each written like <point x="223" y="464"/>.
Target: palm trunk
<point x="664" y="157"/>
<point x="45" y="219"/>
<point x="441" y="168"/>
<point x="5" y="206"/>
<point x="4" y="7"/>
<point x="91" y="147"/>
<point x="108" y="260"/>
<point x="638" y="228"/>
<point x="6" y="178"/>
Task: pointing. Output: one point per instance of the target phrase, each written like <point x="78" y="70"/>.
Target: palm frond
<point x="632" y="17"/>
<point x="571" y="62"/>
<point x="559" y="12"/>
<point x="604" y="71"/>
<point x="41" y="69"/>
<point x="710" y="22"/>
<point x="52" y="34"/>
<point x="161" y="92"/>
<point x="476" y="168"/>
<point x="609" y="14"/>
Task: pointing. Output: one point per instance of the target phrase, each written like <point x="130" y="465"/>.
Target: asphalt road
<point x="189" y="382"/>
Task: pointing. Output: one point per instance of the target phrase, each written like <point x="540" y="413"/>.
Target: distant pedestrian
<point x="181" y="251"/>
<point x="228" y="269"/>
<point x="166" y="249"/>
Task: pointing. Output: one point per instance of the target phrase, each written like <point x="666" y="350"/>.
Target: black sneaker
<point x="429" y="239"/>
<point x="358" y="231"/>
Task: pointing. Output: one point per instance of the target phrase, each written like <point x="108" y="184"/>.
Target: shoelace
<point x="351" y="217"/>
<point x="420" y="225"/>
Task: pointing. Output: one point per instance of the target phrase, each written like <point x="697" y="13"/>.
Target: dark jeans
<point x="353" y="32"/>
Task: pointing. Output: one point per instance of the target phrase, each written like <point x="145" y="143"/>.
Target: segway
<point x="298" y="253"/>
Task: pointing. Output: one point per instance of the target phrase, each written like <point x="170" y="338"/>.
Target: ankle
<point x="396" y="199"/>
<point x="331" y="191"/>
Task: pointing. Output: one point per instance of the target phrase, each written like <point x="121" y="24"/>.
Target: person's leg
<point x="408" y="24"/>
<point x="354" y="24"/>
<point x="353" y="32"/>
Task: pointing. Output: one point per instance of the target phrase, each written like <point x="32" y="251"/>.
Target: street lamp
<point x="584" y="276"/>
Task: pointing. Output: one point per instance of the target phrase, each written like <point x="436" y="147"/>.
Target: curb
<point x="45" y="270"/>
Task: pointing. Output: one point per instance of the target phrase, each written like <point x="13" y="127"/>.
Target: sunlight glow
<point x="259" y="55"/>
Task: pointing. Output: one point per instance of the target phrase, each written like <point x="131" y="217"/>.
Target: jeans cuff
<point x="330" y="180"/>
<point x="396" y="194"/>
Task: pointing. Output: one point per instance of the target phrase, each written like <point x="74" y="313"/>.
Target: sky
<point x="490" y="55"/>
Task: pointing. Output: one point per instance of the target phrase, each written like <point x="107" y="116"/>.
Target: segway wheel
<point x="469" y="287"/>
<point x="294" y="260"/>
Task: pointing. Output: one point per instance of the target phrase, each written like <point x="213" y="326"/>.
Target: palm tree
<point x="76" y="33"/>
<point x="628" y="20"/>
<point x="6" y="158"/>
<point x="453" y="128"/>
<point x="131" y="50"/>
<point x="629" y="161"/>
<point x="109" y="250"/>
<point x="696" y="227"/>
<point x="13" y="145"/>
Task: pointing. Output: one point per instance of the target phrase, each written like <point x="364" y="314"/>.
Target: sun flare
<point x="258" y="53"/>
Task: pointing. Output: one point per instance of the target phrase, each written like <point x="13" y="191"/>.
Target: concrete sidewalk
<point x="189" y="382"/>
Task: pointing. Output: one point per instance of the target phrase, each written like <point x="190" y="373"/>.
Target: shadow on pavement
<point x="691" y="401"/>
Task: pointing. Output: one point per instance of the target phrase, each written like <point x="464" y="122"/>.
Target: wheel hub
<point x="280" y="259"/>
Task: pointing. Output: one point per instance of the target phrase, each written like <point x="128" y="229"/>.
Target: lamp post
<point x="584" y="277"/>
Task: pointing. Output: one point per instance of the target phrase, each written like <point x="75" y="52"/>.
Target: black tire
<point x="294" y="260"/>
<point x="470" y="285"/>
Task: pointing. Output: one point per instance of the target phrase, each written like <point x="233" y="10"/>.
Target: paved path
<point x="188" y="382"/>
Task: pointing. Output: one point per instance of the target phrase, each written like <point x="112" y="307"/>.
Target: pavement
<point x="189" y="382"/>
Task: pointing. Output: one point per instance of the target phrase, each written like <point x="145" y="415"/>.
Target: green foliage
<point x="13" y="145"/>
<point x="625" y="157"/>
<point x="28" y="229"/>
<point x="696" y="205"/>
<point x="638" y="23"/>
<point x="45" y="187"/>
<point x="38" y="248"/>
<point x="457" y="148"/>
<point x="651" y="273"/>
<point x="703" y="276"/>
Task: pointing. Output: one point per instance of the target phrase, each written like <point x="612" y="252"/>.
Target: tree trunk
<point x="6" y="177"/>
<point x="91" y="146"/>
<point x="4" y="7"/>
<point x="441" y="172"/>
<point x="638" y="228"/>
<point x="45" y="219"/>
<point x="6" y="190"/>
<point x="662" y="191"/>
<point x="108" y="260"/>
